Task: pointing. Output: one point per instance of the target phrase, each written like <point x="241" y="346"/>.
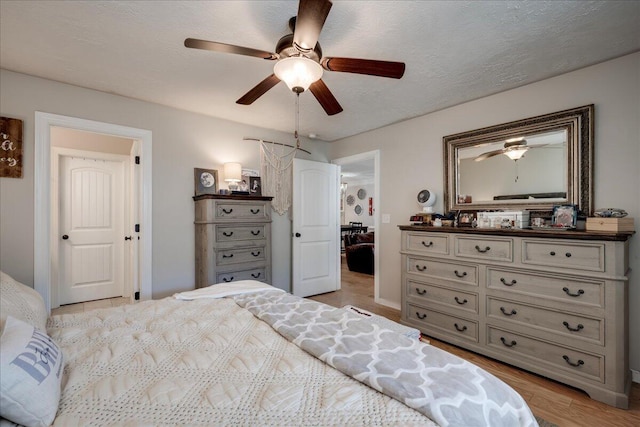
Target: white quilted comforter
<point x="213" y="362"/>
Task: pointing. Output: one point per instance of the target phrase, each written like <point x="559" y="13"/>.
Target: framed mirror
<point x="533" y="163"/>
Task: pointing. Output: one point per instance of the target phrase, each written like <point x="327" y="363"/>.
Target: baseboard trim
<point x="387" y="303"/>
<point x="635" y="376"/>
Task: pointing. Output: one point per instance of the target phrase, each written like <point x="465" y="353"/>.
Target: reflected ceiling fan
<point x="299" y="58"/>
<point x="513" y="148"/>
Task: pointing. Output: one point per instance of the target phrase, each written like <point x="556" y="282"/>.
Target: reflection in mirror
<point x="533" y="163"/>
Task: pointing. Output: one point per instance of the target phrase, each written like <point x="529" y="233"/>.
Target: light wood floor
<point x="555" y="402"/>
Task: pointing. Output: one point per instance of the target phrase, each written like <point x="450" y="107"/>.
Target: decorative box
<point x="615" y="225"/>
<point x="515" y="219"/>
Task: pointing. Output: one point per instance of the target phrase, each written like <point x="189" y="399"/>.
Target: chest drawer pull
<point x="421" y="316"/>
<point x="421" y="267"/>
<point x="568" y="254"/>
<point x="486" y="249"/>
<point x="552" y="253"/>
<point x="227" y="280"/>
<point x="579" y="363"/>
<point x="464" y="273"/>
<point x="576" y="329"/>
<point x="464" y="301"/>
<point x="427" y="245"/>
<point x="504" y="311"/>
<point x="504" y="282"/>
<point x="227" y="256"/>
<point x="255" y="211"/>
<point x="421" y="291"/>
<point x="255" y="275"/>
<point x="255" y="253"/>
<point x="229" y="234"/>
<point x="227" y="211"/>
<point x="568" y="292"/>
<point x="459" y="329"/>
<point x="255" y="233"/>
<point x="507" y="344"/>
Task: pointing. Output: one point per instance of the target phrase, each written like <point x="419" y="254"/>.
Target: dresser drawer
<point x="427" y="293"/>
<point x="578" y="256"/>
<point x="571" y="290"/>
<point x="233" y="210"/>
<point x="426" y="243"/>
<point x="457" y="272"/>
<point x="238" y="233"/>
<point x="240" y="255"/>
<point x="569" y="360"/>
<point x="560" y="324"/>
<point x="234" y="276"/>
<point x="490" y="249"/>
<point x="444" y="323"/>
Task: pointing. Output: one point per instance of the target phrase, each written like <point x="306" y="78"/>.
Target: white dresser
<point x="551" y="302"/>
<point x="233" y="239"/>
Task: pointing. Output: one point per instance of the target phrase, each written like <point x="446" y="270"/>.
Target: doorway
<point x="360" y="186"/>
<point x="46" y="230"/>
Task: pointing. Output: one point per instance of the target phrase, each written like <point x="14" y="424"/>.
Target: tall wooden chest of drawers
<point x="551" y="302"/>
<point x="233" y="239"/>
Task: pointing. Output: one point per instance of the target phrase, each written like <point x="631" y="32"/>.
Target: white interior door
<point x="92" y="217"/>
<point x="316" y="228"/>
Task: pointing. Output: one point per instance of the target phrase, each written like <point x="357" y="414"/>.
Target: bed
<point x="237" y="354"/>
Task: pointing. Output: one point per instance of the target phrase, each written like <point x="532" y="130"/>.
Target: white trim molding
<point x="43" y="267"/>
<point x="635" y="376"/>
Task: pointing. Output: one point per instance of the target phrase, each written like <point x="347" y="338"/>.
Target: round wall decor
<point x="350" y="199"/>
<point x="362" y="193"/>
<point x="358" y="210"/>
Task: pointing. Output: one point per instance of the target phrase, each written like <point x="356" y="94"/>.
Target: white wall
<point x="181" y="141"/>
<point x="349" y="211"/>
<point x="411" y="155"/>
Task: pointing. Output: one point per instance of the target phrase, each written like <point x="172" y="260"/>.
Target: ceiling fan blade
<point x="259" y="90"/>
<point x="325" y="97"/>
<point x="309" y="22"/>
<point x="371" y="67"/>
<point x="488" y="154"/>
<point x="228" y="48"/>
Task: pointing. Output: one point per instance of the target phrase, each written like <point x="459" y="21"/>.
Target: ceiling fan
<point x="299" y="58"/>
<point x="513" y="148"/>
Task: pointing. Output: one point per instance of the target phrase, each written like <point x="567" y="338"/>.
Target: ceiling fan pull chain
<point x="297" y="120"/>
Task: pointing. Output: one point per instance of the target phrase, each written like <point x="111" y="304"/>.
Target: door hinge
<point x="136" y="296"/>
<point x="137" y="228"/>
<point x="137" y="160"/>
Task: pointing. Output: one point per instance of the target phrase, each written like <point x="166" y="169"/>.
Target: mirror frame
<point x="578" y="123"/>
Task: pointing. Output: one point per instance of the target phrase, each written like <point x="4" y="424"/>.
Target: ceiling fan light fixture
<point x="516" y="153"/>
<point x="298" y="72"/>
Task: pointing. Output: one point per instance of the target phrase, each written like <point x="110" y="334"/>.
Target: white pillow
<point x="30" y="374"/>
<point x="21" y="302"/>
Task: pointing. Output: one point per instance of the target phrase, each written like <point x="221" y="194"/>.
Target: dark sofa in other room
<point x="359" y="249"/>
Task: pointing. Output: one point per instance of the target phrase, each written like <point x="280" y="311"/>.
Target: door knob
<point x="298" y="234"/>
<point x="65" y="237"/>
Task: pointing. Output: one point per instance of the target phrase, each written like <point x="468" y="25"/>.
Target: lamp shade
<point x="516" y="153"/>
<point x="232" y="172"/>
<point x="298" y="72"/>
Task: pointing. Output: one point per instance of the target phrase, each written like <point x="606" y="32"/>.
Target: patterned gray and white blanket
<point x="442" y="386"/>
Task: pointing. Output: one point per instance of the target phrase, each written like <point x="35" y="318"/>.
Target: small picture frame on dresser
<point x="255" y="186"/>
<point x="565" y="216"/>
<point x="465" y="219"/>
<point x="205" y="181"/>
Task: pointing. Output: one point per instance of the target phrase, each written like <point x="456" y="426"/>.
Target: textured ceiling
<point x="455" y="51"/>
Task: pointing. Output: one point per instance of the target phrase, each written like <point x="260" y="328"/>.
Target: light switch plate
<point x="386" y="218"/>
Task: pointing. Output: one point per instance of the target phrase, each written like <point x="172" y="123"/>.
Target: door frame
<point x="375" y="155"/>
<point x="56" y="154"/>
<point x="44" y="268"/>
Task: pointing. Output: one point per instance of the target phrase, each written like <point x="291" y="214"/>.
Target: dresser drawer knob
<point x="421" y="267"/>
<point x="227" y="256"/>
<point x="255" y="233"/>
<point x="568" y="292"/>
<point x="227" y="211"/>
<point x="427" y="245"/>
<point x="552" y="253"/>
<point x="568" y="254"/>
<point x="507" y="344"/>
<point x="255" y="211"/>
<point x="504" y="282"/>
<point x="460" y="329"/>
<point x="255" y="253"/>
<point x="227" y="279"/>
<point x="463" y="274"/>
<point x="229" y="234"/>
<point x="421" y="316"/>
<point x="504" y="311"/>
<point x="421" y="291"/>
<point x="255" y="275"/>
<point x="579" y="363"/>
<point x="576" y="329"/>
<point x="464" y="301"/>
